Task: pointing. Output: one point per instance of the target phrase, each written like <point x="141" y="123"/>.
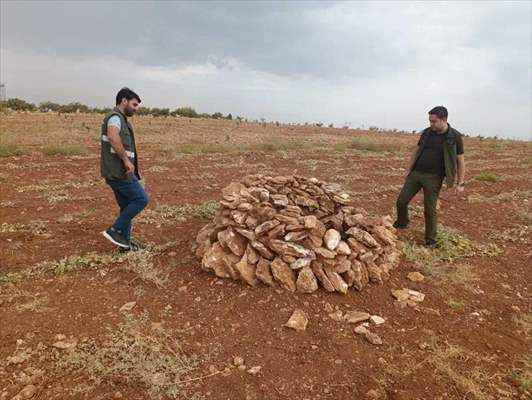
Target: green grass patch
<point x="519" y="233"/>
<point x="450" y="246"/>
<point x="267" y="147"/>
<point x="466" y="371"/>
<point x="497" y="146"/>
<point x="514" y="195"/>
<point x="524" y="323"/>
<point x="141" y="263"/>
<point x="52" y="187"/>
<point x="10" y="277"/>
<point x="341" y="147"/>
<point x="89" y="260"/>
<point x="462" y="274"/>
<point x="64" y="150"/>
<point x="372" y="145"/>
<point x="135" y="351"/>
<point x="12" y="228"/>
<point x="168" y="213"/>
<point x="206" y="148"/>
<point x="9" y="149"/>
<point x="206" y="210"/>
<point x="488" y="176"/>
<point x="36" y="304"/>
<point x="456" y="304"/>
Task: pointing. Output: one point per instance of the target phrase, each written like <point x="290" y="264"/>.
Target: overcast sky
<point x="355" y="63"/>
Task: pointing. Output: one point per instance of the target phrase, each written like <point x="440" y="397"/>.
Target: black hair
<point x="126" y="93"/>
<point x="440" y="112"/>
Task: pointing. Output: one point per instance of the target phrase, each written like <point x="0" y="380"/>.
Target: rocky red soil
<point x="81" y="321"/>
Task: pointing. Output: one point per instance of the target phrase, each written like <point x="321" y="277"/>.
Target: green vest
<point x="449" y="153"/>
<point x="111" y="165"/>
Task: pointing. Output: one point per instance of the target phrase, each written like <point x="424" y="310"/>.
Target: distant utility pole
<point x="3" y="95"/>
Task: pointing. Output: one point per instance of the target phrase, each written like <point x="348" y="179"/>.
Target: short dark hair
<point x="126" y="93"/>
<point x="440" y="112"/>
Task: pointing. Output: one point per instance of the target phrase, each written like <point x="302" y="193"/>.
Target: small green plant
<point x="523" y="376"/>
<point x="488" y="176"/>
<point x="89" y="260"/>
<point x="372" y="145"/>
<point x="341" y="147"/>
<point x="12" y="228"/>
<point x="461" y="274"/>
<point x="524" y="323"/>
<point x="158" y="168"/>
<point x="456" y="304"/>
<point x="490" y="250"/>
<point x="141" y="263"/>
<point x="501" y="197"/>
<point x="10" y="277"/>
<point x="497" y="145"/>
<point x="206" y="210"/>
<point x="51" y="187"/>
<point x="205" y="148"/>
<point x="34" y="305"/>
<point x="64" y="150"/>
<point x="518" y="233"/>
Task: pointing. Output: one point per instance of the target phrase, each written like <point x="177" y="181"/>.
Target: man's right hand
<point x="130" y="168"/>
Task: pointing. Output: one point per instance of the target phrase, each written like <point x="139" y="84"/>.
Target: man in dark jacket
<point x="439" y="156"/>
<point x="119" y="167"/>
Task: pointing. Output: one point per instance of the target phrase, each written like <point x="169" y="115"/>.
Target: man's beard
<point x="129" y="112"/>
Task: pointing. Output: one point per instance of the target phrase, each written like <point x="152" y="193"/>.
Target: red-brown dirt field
<point x="468" y="339"/>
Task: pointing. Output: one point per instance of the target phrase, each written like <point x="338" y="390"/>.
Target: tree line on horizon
<point x="16" y="104"/>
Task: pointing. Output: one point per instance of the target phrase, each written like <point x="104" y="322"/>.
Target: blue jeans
<point x="131" y="199"/>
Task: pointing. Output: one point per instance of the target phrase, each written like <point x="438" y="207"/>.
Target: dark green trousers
<point x="431" y="185"/>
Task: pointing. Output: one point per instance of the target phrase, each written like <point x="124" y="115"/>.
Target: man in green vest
<point x="439" y="157"/>
<point x="120" y="168"/>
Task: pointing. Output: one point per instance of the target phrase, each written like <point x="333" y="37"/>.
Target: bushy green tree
<point x="73" y="107"/>
<point x="186" y="112"/>
<point x="160" y="112"/>
<point x="49" y="106"/>
<point x="19" y="105"/>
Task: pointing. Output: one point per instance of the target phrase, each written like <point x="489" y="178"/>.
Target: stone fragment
<point x="377" y="320"/>
<point x="343" y="248"/>
<point x="298" y="320"/>
<point x="266" y="226"/>
<point x="306" y="281"/>
<point x="263" y="272"/>
<point x="354" y="317"/>
<point x="128" y="306"/>
<point x="301" y="263"/>
<point x="416" y="276"/>
<point x="282" y="273"/>
<point x="247" y="271"/>
<point x="332" y="239"/>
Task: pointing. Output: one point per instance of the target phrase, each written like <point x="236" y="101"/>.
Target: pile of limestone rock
<point x="296" y="232"/>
